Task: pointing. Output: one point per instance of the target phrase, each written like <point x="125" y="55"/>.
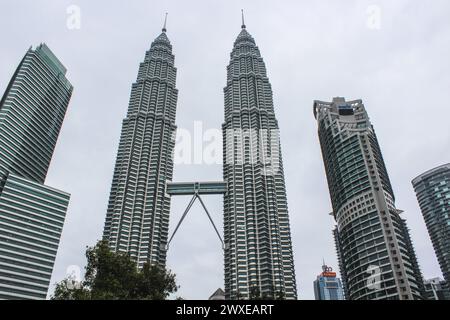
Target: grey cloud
<point x="313" y="50"/>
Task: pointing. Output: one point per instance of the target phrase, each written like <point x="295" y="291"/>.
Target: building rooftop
<point x="430" y="172"/>
<point x="219" y="294"/>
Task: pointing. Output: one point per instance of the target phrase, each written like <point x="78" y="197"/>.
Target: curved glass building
<point x="375" y="253"/>
<point x="433" y="193"/>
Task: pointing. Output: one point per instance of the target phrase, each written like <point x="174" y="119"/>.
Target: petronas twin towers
<point x="137" y="219"/>
<point x="257" y="242"/>
<point x="258" y="255"/>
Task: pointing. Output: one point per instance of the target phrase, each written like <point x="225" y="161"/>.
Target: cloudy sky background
<point x="312" y="49"/>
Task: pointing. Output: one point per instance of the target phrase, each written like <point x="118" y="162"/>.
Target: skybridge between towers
<point x="196" y="189"/>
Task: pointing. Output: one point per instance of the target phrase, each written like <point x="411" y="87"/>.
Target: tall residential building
<point x="376" y="256"/>
<point x="433" y="193"/>
<point x="32" y="214"/>
<point x="327" y="286"/>
<point x="258" y="249"/>
<point x="137" y="219"/>
<point x="436" y="289"/>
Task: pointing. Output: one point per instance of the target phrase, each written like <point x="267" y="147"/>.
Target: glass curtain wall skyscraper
<point x="327" y="286"/>
<point x="433" y="193"/>
<point x="32" y="214"/>
<point x="375" y="253"/>
<point x="137" y="219"/>
<point x="258" y="249"/>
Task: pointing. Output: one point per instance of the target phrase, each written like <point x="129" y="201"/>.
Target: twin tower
<point x="257" y="241"/>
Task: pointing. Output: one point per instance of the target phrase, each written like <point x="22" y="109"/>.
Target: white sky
<point x="312" y="49"/>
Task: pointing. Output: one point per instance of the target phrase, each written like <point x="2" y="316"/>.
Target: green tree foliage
<point x="113" y="275"/>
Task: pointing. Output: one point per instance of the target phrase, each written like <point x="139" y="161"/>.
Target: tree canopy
<point x="114" y="275"/>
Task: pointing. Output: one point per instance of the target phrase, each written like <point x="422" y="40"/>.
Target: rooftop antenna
<point x="243" y="24"/>
<point x="165" y="22"/>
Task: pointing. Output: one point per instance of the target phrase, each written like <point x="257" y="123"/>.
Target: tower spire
<point x="243" y="23"/>
<point x="165" y="22"/>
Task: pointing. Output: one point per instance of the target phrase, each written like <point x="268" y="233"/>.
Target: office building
<point x="32" y="214"/>
<point x="327" y="286"/>
<point x="436" y="289"/>
<point x="258" y="249"/>
<point x="137" y="219"/>
<point x="433" y="193"/>
<point x="375" y="253"/>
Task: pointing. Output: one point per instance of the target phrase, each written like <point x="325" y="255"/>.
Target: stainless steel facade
<point x="258" y="249"/>
<point x="137" y="219"/>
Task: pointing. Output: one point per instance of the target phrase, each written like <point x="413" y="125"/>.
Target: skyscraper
<point x="327" y="286"/>
<point x="436" y="289"/>
<point x="375" y="253"/>
<point x="258" y="249"/>
<point x="137" y="219"/>
<point x="32" y="215"/>
<point x="433" y="193"/>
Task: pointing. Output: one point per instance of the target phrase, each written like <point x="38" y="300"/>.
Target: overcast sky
<point x="394" y="55"/>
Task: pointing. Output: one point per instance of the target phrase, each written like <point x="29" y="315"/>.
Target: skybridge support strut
<point x="195" y="188"/>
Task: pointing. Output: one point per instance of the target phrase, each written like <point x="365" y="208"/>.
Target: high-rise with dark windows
<point x="436" y="289"/>
<point x="433" y="193"/>
<point x="32" y="214"/>
<point x="375" y="253"/>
